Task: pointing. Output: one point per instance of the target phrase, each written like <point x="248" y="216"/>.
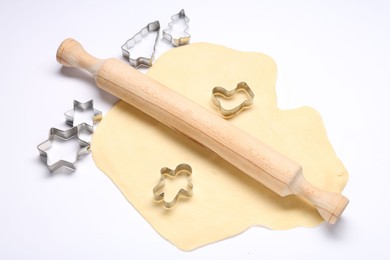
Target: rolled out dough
<point x="131" y="148"/>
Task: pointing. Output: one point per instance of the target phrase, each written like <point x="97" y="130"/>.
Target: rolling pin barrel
<point x="248" y="154"/>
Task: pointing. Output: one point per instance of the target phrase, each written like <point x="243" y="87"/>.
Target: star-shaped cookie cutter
<point x="79" y="106"/>
<point x="141" y="61"/>
<point x="167" y="33"/>
<point x="228" y="94"/>
<point x="159" y="195"/>
<point x="84" y="147"/>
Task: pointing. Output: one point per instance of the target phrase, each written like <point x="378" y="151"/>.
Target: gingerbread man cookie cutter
<point x="159" y="195"/>
<point x="228" y="94"/>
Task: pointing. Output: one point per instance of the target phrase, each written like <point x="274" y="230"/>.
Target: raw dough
<point x="131" y="148"/>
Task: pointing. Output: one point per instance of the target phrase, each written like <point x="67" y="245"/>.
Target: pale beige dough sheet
<point x="131" y="148"/>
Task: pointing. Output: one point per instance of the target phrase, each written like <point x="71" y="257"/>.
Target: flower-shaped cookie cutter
<point x="228" y="94"/>
<point x="159" y="195"/>
<point x="84" y="147"/>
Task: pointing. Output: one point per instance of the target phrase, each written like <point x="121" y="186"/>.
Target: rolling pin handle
<point x="72" y="54"/>
<point x="330" y="205"/>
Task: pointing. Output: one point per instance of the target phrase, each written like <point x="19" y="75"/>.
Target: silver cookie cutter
<point x="141" y="61"/>
<point x="79" y="106"/>
<point x="167" y="33"/>
<point x="222" y="92"/>
<point x="159" y="195"/>
<point x="84" y="147"/>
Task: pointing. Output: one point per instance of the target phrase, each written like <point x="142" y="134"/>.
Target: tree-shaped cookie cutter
<point x="141" y="61"/>
<point x="167" y="33"/>
<point x="159" y="195"/>
<point x="228" y="94"/>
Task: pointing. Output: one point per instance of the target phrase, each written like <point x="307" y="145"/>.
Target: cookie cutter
<point x="79" y="106"/>
<point x="228" y="94"/>
<point x="167" y="33"/>
<point x="84" y="147"/>
<point x="141" y="61"/>
<point x="159" y="195"/>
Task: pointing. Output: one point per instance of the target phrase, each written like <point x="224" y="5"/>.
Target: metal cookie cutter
<point x="159" y="195"/>
<point x="84" y="147"/>
<point x="222" y="92"/>
<point x="167" y="33"/>
<point x="141" y="61"/>
<point x="79" y="106"/>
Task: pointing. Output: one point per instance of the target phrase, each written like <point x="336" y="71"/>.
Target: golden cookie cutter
<point x="159" y="195"/>
<point x="228" y="94"/>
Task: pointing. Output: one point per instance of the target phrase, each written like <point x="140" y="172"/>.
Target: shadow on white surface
<point x="84" y="76"/>
<point x="337" y="231"/>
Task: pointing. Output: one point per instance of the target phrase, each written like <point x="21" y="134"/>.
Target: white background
<point x="331" y="55"/>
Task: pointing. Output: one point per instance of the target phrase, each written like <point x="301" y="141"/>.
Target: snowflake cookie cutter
<point x="166" y="172"/>
<point x="137" y="38"/>
<point x="84" y="147"/>
<point x="228" y="94"/>
<point x="79" y="106"/>
<point x="167" y="33"/>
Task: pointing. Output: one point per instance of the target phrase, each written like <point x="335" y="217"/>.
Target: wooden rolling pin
<point x="245" y="152"/>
